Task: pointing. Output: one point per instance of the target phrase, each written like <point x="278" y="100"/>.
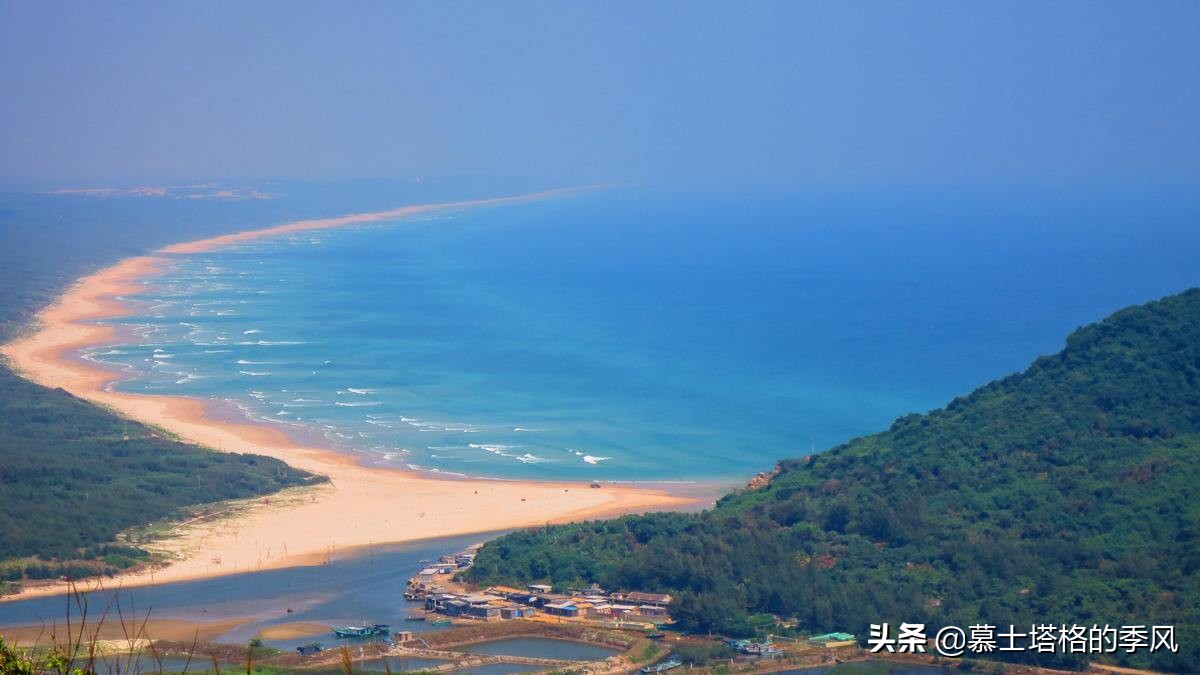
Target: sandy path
<point x="361" y="506"/>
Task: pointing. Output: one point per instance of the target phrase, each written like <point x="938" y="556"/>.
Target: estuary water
<point x="362" y="586"/>
<point x="636" y="336"/>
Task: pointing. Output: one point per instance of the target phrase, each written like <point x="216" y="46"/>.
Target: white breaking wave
<point x="189" y="377"/>
<point x="502" y="450"/>
<point x="358" y="405"/>
<point x="418" y="467"/>
<point x="591" y="459"/>
<point x="491" y="447"/>
<point x="254" y="373"/>
<point x="309" y="404"/>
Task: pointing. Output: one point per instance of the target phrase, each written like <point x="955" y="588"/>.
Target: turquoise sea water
<point x="625" y="335"/>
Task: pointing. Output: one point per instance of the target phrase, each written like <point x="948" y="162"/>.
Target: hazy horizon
<point x="1073" y="96"/>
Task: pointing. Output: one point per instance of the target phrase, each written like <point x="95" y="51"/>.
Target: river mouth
<point x="368" y="585"/>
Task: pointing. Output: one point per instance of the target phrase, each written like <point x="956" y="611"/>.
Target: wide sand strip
<point x="361" y="506"/>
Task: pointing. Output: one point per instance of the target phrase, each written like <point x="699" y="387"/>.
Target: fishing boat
<point x="440" y="622"/>
<point x="364" y="631"/>
<point x="415" y="617"/>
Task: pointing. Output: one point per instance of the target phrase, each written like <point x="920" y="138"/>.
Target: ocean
<point x="641" y="336"/>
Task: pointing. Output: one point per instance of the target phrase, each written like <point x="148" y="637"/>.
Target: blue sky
<point x="814" y="94"/>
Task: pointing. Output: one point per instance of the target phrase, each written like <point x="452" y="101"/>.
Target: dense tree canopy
<point x="1063" y="494"/>
<point x="72" y="476"/>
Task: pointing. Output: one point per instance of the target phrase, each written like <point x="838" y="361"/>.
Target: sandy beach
<point x="359" y="507"/>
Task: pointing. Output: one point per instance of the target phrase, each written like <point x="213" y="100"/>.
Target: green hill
<point x="1066" y="494"/>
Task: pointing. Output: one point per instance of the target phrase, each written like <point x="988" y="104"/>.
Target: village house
<point x="565" y="608"/>
<point x="517" y="612"/>
<point x="507" y="603"/>
<point x="639" y="598"/>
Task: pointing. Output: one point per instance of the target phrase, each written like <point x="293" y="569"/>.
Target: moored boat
<point x="364" y="631"/>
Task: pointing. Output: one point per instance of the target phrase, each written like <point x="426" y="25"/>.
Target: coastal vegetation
<point x="1065" y="494"/>
<point x="72" y="475"/>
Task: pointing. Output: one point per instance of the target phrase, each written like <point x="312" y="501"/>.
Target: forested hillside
<point x="72" y="476"/>
<point x="1064" y="494"/>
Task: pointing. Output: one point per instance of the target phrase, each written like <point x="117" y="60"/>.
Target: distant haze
<point x="819" y="95"/>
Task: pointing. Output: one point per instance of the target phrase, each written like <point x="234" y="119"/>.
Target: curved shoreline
<point x="360" y="506"/>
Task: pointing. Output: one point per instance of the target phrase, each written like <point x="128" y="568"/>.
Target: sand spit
<point x="360" y="506"/>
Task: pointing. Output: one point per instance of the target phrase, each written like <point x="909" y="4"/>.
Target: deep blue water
<point x="628" y="335"/>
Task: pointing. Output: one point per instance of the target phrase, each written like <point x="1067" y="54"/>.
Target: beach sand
<point x="293" y="630"/>
<point x="360" y="506"/>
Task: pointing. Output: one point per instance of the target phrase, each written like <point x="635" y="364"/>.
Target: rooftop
<point x="832" y="637"/>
